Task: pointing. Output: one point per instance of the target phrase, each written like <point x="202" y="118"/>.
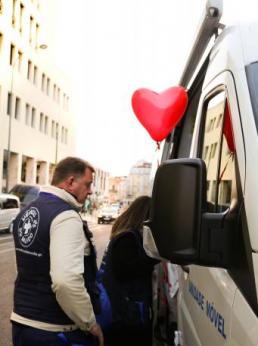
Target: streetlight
<point x="41" y="46"/>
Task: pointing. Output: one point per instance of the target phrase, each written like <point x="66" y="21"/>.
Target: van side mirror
<point x="177" y="204"/>
<point x="183" y="230"/>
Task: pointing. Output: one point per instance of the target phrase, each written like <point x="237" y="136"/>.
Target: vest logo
<point x="28" y="227"/>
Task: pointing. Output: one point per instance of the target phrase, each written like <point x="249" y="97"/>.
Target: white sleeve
<point x="149" y="244"/>
<point x="67" y="248"/>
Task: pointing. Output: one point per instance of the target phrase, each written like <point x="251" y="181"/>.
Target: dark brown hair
<point x="68" y="167"/>
<point x="133" y="217"/>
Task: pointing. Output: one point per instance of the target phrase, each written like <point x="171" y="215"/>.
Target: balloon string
<point x="158" y="148"/>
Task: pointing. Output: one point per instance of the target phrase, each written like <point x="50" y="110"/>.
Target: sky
<point x="112" y="48"/>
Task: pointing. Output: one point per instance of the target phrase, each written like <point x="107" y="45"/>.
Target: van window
<point x="219" y="154"/>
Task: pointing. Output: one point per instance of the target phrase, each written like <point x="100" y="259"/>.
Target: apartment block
<point x="37" y="124"/>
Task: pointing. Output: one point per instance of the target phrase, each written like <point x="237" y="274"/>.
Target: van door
<point x="207" y="294"/>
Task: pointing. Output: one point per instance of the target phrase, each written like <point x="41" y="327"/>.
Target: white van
<point x="9" y="208"/>
<point x="204" y="213"/>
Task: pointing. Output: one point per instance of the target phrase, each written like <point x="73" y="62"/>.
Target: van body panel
<point x="255" y="264"/>
<point x="248" y="35"/>
<point x="207" y="296"/>
<point x="211" y="308"/>
<point x="220" y="306"/>
<point x="185" y="320"/>
<point x="244" y="331"/>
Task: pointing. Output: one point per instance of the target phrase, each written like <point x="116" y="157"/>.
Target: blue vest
<point x="33" y="296"/>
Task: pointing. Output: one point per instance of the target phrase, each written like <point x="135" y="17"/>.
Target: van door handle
<point x="186" y="269"/>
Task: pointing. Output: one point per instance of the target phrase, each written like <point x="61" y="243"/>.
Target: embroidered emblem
<point x="28" y="227"/>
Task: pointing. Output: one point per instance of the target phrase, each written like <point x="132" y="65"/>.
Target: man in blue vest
<point x="55" y="296"/>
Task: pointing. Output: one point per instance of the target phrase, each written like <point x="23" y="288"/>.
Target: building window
<point x="24" y="168"/>
<point x="205" y="155"/>
<point x="33" y="117"/>
<point x="219" y="120"/>
<point x="41" y="120"/>
<point x="29" y="70"/>
<point x="58" y="95"/>
<point x="27" y="114"/>
<point x="53" y="129"/>
<point x="46" y="125"/>
<point x="48" y="85"/>
<point x="57" y="132"/>
<point x="9" y="104"/>
<point x="31" y="30"/>
<point x="19" y="61"/>
<point x="62" y="134"/>
<point x="213" y="150"/>
<point x="14" y="12"/>
<point x="1" y="40"/>
<point x="12" y="54"/>
<point x="43" y="80"/>
<point x="17" y="109"/>
<point x="54" y="92"/>
<point x="35" y="75"/>
<point x="37" y="172"/>
<point x="37" y="36"/>
<point x="21" y="18"/>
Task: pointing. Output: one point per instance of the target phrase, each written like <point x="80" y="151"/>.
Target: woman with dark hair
<point x="126" y="274"/>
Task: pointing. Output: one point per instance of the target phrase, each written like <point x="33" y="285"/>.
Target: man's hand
<point x="96" y="331"/>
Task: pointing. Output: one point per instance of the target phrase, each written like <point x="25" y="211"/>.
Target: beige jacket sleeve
<point x="67" y="248"/>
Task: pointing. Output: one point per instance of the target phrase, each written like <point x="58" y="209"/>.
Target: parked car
<point x="108" y="214"/>
<point x="26" y="193"/>
<point x="9" y="208"/>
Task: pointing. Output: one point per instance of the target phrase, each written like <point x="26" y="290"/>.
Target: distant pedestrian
<point x="55" y="295"/>
<point x="126" y="274"/>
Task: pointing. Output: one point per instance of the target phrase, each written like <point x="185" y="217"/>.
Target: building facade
<point x="139" y="180"/>
<point x="118" y="189"/>
<point x="100" y="186"/>
<point x="37" y="127"/>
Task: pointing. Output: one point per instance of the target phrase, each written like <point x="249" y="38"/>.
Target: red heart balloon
<point x="159" y="113"/>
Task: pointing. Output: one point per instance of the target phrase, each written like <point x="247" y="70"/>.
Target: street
<point x="7" y="273"/>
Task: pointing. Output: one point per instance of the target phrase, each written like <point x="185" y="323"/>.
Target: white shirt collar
<point x="61" y="193"/>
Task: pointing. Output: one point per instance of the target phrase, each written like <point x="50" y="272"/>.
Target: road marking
<point x="6" y="242"/>
<point x="5" y="245"/>
<point x="6" y="250"/>
<point x="7" y="236"/>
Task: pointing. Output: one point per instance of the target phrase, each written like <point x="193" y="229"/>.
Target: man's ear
<point x="69" y="181"/>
